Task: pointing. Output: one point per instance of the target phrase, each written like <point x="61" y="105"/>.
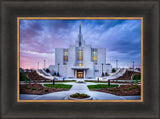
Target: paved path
<point x="77" y="88"/>
<point x="61" y="96"/>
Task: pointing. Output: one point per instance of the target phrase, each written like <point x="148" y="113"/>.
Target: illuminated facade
<point x="80" y="60"/>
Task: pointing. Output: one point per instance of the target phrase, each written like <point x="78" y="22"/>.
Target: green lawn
<point x="100" y="86"/>
<point x="64" y="81"/>
<point x="134" y="81"/>
<point x="58" y="86"/>
<point x="95" y="82"/>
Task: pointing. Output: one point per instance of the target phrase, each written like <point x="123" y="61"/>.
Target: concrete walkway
<point x="78" y="88"/>
<point x="61" y="96"/>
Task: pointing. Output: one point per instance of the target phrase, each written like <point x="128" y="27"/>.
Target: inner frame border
<point x="60" y="18"/>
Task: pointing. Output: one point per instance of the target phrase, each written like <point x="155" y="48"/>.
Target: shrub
<point x="110" y="89"/>
<point x="25" y="85"/>
<point x="137" y="77"/>
<point x="58" y="74"/>
<point x="23" y="77"/>
<point x="83" y="95"/>
<point x="125" y="89"/>
<point x="39" y="89"/>
<point x="136" y="81"/>
<point x="135" y="86"/>
<point x="117" y="89"/>
<point x="47" y="70"/>
<point x="27" y="88"/>
<point x="46" y="90"/>
<point x="138" y="69"/>
<point x="106" y="74"/>
<point x="33" y="88"/>
<point x="75" y="95"/>
<point x="80" y="82"/>
<point x="113" y="70"/>
<point x="54" y="73"/>
<point x="130" y="88"/>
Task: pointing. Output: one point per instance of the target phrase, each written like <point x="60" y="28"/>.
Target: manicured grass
<point x="100" y="86"/>
<point x="134" y="80"/>
<point x="95" y="82"/>
<point x="64" y="81"/>
<point x="63" y="86"/>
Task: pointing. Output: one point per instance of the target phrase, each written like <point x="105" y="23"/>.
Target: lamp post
<point x="102" y="69"/>
<point x="116" y="64"/>
<point x="44" y="63"/>
<point x="58" y="68"/>
<point x="37" y="65"/>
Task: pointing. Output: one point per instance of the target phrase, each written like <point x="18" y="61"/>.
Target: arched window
<point x="80" y="55"/>
<point x="65" y="55"/>
<point x="94" y="55"/>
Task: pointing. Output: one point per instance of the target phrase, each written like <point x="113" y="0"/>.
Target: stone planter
<point x="89" y="98"/>
<point x="80" y="81"/>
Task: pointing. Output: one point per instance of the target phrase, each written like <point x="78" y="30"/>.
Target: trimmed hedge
<point x="23" y="77"/>
<point x="137" y="77"/>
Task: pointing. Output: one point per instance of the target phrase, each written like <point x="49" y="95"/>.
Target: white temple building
<point x="80" y="60"/>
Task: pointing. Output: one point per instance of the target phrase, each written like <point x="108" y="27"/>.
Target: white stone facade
<point x="80" y="60"/>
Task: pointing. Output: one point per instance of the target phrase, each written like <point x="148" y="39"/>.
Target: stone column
<point x="84" y="74"/>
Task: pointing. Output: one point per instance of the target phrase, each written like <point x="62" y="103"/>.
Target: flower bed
<point x="37" y="89"/>
<point x="80" y="96"/>
<point x="80" y="82"/>
<point x="123" y="90"/>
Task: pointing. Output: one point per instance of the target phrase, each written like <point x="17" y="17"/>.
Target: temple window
<point x="94" y="55"/>
<point x="65" y="55"/>
<point x="80" y="55"/>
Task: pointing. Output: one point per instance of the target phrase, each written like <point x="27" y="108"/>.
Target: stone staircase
<point x="127" y="75"/>
<point x="34" y="76"/>
<point x="42" y="72"/>
<point x="120" y="72"/>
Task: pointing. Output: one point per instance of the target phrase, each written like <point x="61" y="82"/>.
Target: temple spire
<point x="80" y="37"/>
<point x="80" y="28"/>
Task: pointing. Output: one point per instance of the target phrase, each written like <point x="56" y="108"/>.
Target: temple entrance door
<point x="80" y="74"/>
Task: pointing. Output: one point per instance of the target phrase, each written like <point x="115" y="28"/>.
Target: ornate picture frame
<point x="10" y="10"/>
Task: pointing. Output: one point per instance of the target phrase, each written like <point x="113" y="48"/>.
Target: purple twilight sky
<point x="39" y="38"/>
